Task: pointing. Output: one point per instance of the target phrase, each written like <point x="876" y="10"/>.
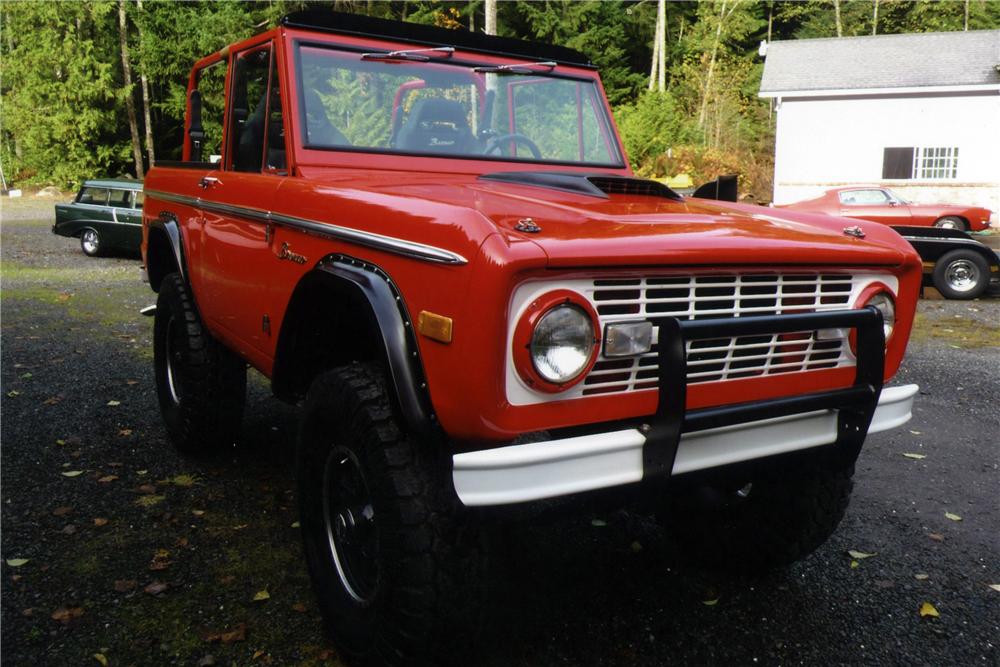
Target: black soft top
<point x="415" y="33"/>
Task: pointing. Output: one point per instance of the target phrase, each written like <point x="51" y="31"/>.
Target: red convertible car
<point x="870" y="202"/>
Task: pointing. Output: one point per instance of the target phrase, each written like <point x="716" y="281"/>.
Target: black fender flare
<point x="372" y="291"/>
<point x="166" y="223"/>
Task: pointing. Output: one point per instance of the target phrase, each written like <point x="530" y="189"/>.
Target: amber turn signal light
<point x="436" y="327"/>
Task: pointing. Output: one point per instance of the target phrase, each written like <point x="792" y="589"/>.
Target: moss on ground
<point x="959" y="332"/>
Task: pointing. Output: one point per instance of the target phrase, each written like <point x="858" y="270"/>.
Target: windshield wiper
<point x="410" y="54"/>
<point x="514" y="68"/>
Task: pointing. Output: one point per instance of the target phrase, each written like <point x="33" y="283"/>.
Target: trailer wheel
<point x="961" y="274"/>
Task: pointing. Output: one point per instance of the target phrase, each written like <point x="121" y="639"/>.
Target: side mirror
<point x="724" y="188"/>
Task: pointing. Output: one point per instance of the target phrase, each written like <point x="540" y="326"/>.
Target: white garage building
<point x="919" y="113"/>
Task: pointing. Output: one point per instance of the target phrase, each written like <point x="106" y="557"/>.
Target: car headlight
<point x="556" y="341"/>
<point x="884" y="303"/>
<point x="563" y="344"/>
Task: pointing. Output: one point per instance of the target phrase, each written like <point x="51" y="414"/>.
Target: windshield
<point x="375" y="103"/>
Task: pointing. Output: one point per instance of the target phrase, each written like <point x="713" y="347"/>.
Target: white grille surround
<point x="633" y="298"/>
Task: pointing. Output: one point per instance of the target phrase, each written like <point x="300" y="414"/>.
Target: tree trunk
<point x="491" y="17"/>
<point x="654" y="67"/>
<point x="661" y="17"/>
<point x="875" y="18"/>
<point x="706" y="91"/>
<point x="133" y="125"/>
<point x="147" y="116"/>
<point x="836" y="16"/>
<point x="966" y="28"/>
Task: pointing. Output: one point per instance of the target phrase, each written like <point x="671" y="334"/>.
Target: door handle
<point x="208" y="181"/>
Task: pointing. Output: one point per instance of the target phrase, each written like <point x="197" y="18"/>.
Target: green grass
<point x="959" y="332"/>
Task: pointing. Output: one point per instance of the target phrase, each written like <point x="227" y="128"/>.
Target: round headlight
<point x="562" y="344"/>
<point x="883" y="301"/>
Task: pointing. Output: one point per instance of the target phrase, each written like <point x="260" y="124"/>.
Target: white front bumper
<point x="559" y="467"/>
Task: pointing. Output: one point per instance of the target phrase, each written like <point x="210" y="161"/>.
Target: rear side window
<point x="94" y="196"/>
<point x="864" y="197"/>
<point x="120" y="198"/>
<point x="139" y="198"/>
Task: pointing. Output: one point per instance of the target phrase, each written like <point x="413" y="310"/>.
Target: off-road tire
<point x="961" y="274"/>
<point x="783" y="517"/>
<point x="425" y="604"/>
<point x="202" y="388"/>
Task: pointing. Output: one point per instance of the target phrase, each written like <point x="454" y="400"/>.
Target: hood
<point x="581" y="230"/>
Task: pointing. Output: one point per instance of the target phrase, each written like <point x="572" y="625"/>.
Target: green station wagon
<point x="106" y="214"/>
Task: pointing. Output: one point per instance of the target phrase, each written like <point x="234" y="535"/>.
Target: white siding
<point x="827" y="142"/>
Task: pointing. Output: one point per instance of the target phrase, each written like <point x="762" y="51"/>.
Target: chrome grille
<point x="721" y="296"/>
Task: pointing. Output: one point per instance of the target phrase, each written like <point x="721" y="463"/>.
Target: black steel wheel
<point x="961" y="274"/>
<point x="200" y="384"/>
<point x="396" y="563"/>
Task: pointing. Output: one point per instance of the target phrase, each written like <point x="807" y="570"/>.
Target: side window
<point x="249" y="121"/>
<point x="140" y="196"/>
<point x="206" y="127"/>
<point x="863" y="197"/>
<point x="97" y="196"/>
<point x="120" y="199"/>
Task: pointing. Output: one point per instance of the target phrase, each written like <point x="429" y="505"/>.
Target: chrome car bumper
<point x="538" y="470"/>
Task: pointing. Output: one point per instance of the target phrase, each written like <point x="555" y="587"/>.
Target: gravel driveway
<point x="118" y="550"/>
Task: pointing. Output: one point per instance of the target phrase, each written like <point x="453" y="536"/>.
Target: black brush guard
<point x="855" y="404"/>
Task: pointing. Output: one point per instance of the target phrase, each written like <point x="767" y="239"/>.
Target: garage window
<point x="938" y="162"/>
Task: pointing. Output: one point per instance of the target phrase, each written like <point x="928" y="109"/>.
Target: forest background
<point x="97" y="88"/>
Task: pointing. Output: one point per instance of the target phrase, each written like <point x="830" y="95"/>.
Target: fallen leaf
<point x="207" y="661"/>
<point x="257" y="654"/>
<point x="125" y="432"/>
<point x="13" y="392"/>
<point x="921" y="577"/>
<point x="156" y="587"/>
<point x="16" y="562"/>
<point x="995" y="587"/>
<point x="100" y="521"/>
<point x="69" y="529"/>
<point x="161" y="560"/>
<point x="114" y="403"/>
<point x="147" y="488"/>
<point x="60" y="442"/>
<point x="296" y="524"/>
<point x="953" y="517"/>
<point x="125" y="585"/>
<point x="241" y="526"/>
<point x="67" y="614"/>
<point x="62" y="511"/>
<point x="860" y="555"/>
<point x="854" y="564"/>
<point x="183" y="480"/>
<point x="71" y="473"/>
<point x="28" y="613"/>
<point x="937" y="537"/>
<point x="141" y="472"/>
<point x="99" y="657"/>
<point x="149" y="501"/>
<point x="25" y="376"/>
<point x="198" y="512"/>
<point x="52" y="400"/>
<point x="910" y="455"/>
<point x="710" y="603"/>
<point x="261" y="596"/>
<point x="131" y="382"/>
<point x="237" y="634"/>
<point x="598" y="523"/>
<point x="915" y="432"/>
<point x="299" y="607"/>
<point x="107" y="478"/>
<point x="927" y="609"/>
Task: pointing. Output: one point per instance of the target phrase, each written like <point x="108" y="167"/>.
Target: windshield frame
<point x="458" y="59"/>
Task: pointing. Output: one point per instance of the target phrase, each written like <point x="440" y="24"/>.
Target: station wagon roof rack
<point x="415" y="33"/>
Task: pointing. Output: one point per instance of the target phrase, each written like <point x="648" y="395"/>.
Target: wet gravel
<point x="77" y="395"/>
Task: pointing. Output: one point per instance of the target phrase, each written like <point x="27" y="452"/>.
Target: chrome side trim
<point x="942" y="240"/>
<point x="369" y="239"/>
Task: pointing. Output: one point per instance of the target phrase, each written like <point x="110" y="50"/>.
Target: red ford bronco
<point x="432" y="241"/>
